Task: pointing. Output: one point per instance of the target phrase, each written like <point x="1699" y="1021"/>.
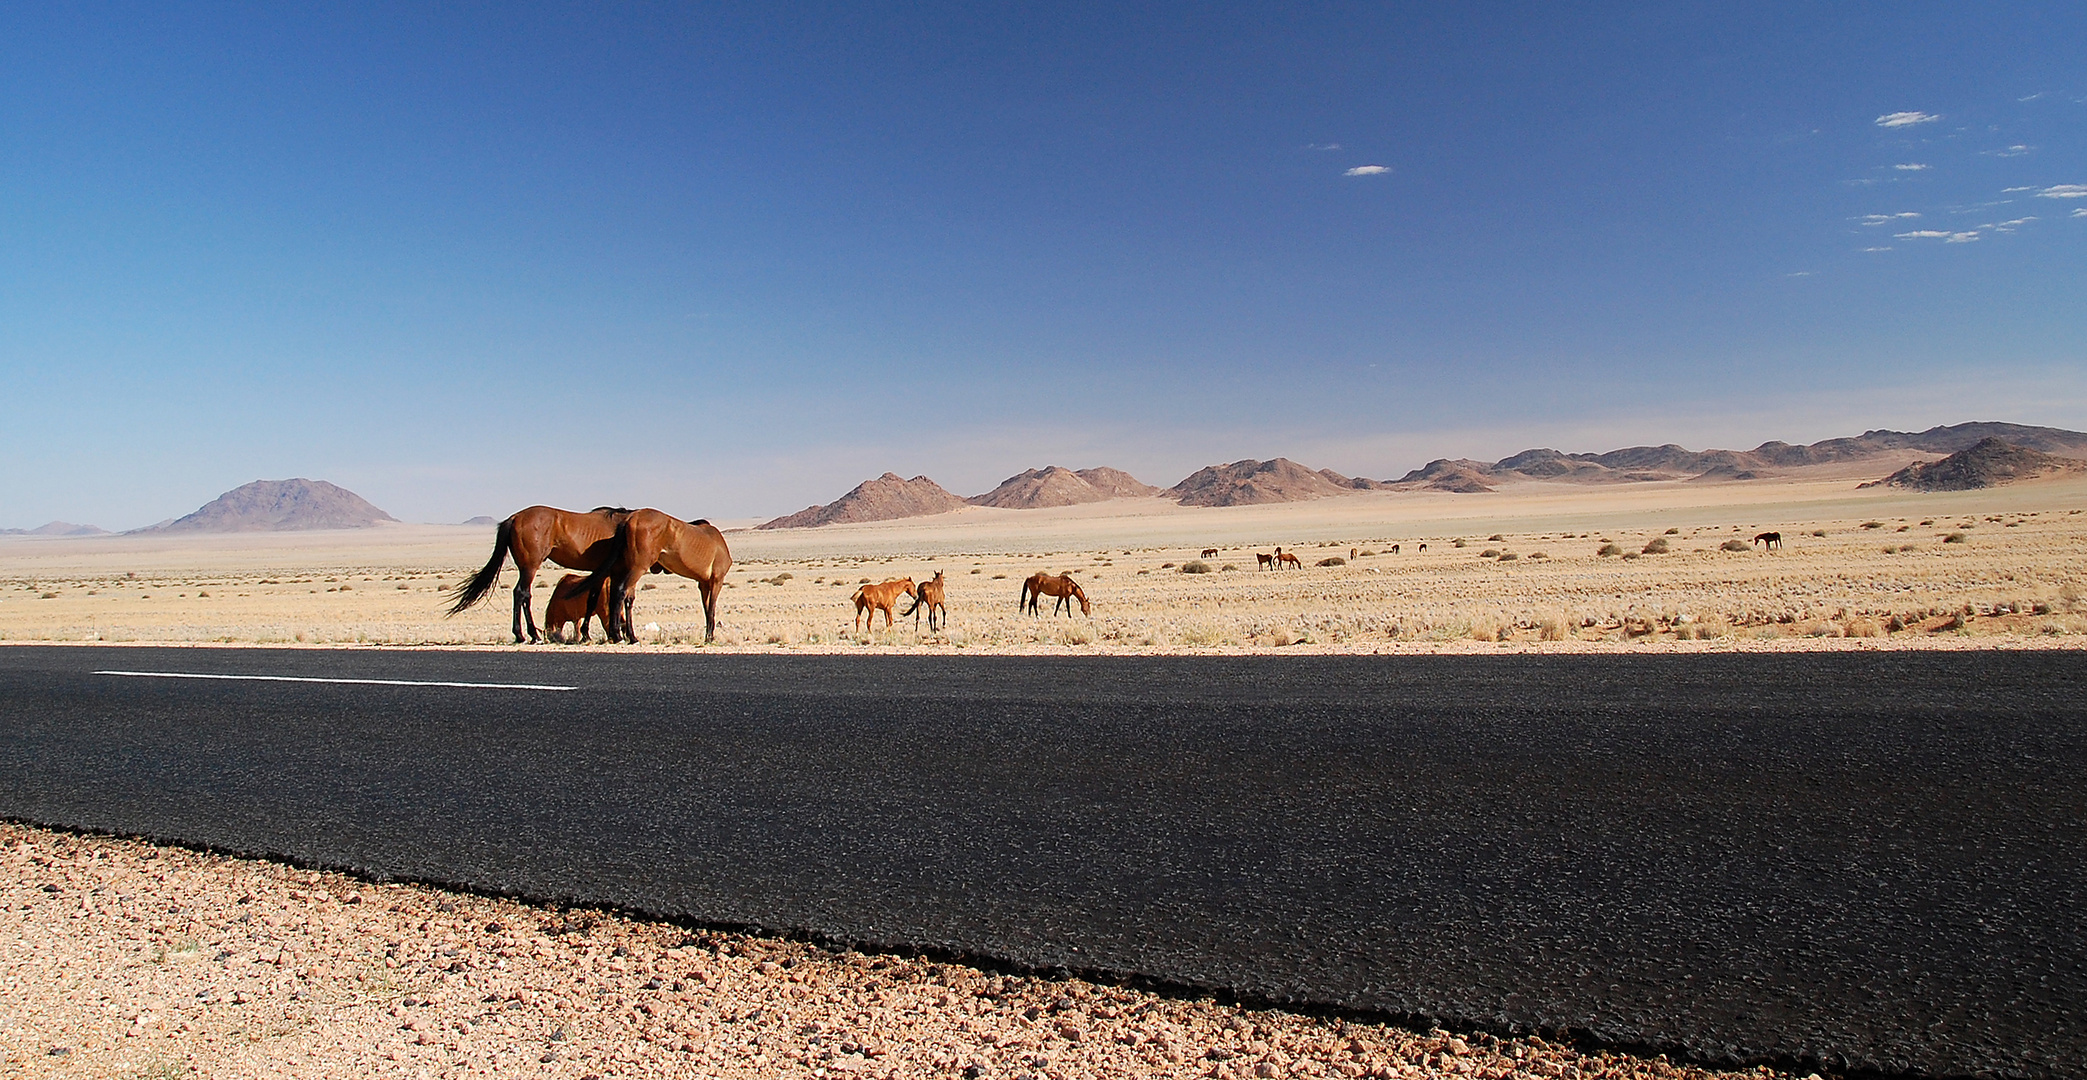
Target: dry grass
<point x="790" y="591"/>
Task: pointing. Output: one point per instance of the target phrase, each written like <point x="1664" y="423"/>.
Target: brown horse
<point x="1208" y="553"/>
<point x="1061" y="586"/>
<point x="1284" y="558"/>
<point x="1395" y="548"/>
<point x="660" y="542"/>
<point x="929" y="596"/>
<point x="569" y="538"/>
<point x="871" y="599"/>
<point x="1264" y="561"/>
<point x="1769" y="541"/>
<point x="572" y="602"/>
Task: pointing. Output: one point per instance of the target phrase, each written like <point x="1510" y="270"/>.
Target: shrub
<point x="1364" y="553"/>
<point x="1539" y="555"/>
<point x="1818" y="532"/>
<point x="1001" y="577"/>
<point x="1496" y="537"/>
<point x="1333" y="561"/>
<point x="1735" y="544"/>
<point x="1489" y="553"/>
<point x="1673" y="532"/>
<point x="1607" y="550"/>
<point x="1953" y="538"/>
<point x="1195" y="566"/>
<point x="1508" y="556"/>
<point x="1656" y="546"/>
<point x="1456" y="543"/>
<point x="1166" y="566"/>
<point x="1228" y="567"/>
<point x="1872" y="524"/>
<point x="1931" y="521"/>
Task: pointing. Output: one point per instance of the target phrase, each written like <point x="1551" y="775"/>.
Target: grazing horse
<point x="1769" y="540"/>
<point x="571" y="539"/>
<point x="573" y="603"/>
<point x="662" y="543"/>
<point x="1264" y="561"/>
<point x="1423" y="547"/>
<point x="1283" y="558"/>
<point x="1061" y="586"/>
<point x="929" y="596"/>
<point x="1208" y="553"/>
<point x="871" y="599"/>
<point x="1395" y="548"/>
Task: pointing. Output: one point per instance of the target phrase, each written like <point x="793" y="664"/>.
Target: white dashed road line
<point x="308" y="679"/>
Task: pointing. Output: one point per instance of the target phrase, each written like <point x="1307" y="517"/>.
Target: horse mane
<point x="612" y="510"/>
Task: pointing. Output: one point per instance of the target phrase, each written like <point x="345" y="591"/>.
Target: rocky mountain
<point x="482" y="519"/>
<point x="883" y="499"/>
<point x="1053" y="485"/>
<point x="58" y="528"/>
<point x="1986" y="463"/>
<point x="1249" y="482"/>
<point x="1670" y="462"/>
<point x="279" y="506"/>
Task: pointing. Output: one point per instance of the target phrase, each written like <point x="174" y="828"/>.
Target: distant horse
<point x="1770" y="540"/>
<point x="1354" y="554"/>
<point x="871" y="599"/>
<point x="1284" y="558"/>
<point x="929" y="596"/>
<point x="1061" y="586"/>
<point x="573" y="603"/>
<point x="1264" y="561"/>
<point x="1423" y="547"/>
<point x="1395" y="548"/>
<point x="1209" y="553"/>
<point x="569" y="538"/>
<point x="662" y="543"/>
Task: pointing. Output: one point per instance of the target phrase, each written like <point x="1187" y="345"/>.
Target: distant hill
<point x="1989" y="462"/>
<point x="1671" y="462"/>
<point x="481" y="519"/>
<point x="883" y="499"/>
<point x="1056" y="486"/>
<point x="279" y="506"/>
<point x="58" y="528"/>
<point x="1249" y="482"/>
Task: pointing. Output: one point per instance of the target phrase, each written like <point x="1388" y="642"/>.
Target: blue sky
<point x="730" y="260"/>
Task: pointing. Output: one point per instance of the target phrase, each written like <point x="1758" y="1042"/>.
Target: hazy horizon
<point x="735" y="261"/>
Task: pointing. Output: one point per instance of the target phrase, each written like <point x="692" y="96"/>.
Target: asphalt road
<point x="1857" y="861"/>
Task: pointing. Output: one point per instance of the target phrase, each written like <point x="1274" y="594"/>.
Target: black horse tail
<point x="471" y="592"/>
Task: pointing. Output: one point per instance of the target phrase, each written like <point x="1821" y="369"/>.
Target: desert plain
<point x="123" y="958"/>
<point x="1664" y="564"/>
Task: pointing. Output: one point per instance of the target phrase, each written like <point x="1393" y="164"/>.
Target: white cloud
<point x="1961" y="238"/>
<point x="1886" y="219"/>
<point x="1912" y="168"/>
<point x="1367" y="170"/>
<point x="1800" y="273"/>
<point x="1922" y="234"/>
<point x="1905" y="119"/>
<point x="2010" y="226"/>
<point x="1886" y="247"/>
<point x="2081" y="212"/>
<point x="2032" y="97"/>
<point x="1322" y="146"/>
<point x="2064" y="191"/>
<point x="2017" y="150"/>
<point x="2012" y="190"/>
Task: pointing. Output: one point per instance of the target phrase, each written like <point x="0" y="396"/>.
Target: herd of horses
<point x="616" y="546"/>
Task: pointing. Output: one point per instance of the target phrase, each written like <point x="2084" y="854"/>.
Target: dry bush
<point x="1076" y="634"/>
<point x="1195" y="566"/>
<point x="1607" y="550"/>
<point x="1228" y="566"/>
<point x="1508" y="556"/>
<point x="1673" y="532"/>
<point x="1489" y="553"/>
<point x="1655" y="546"/>
<point x="1166" y="566"/>
<point x="1497" y="538"/>
<point x="1735" y="544"/>
<point x="1953" y="538"/>
<point x="1872" y="524"/>
<point x="1456" y="543"/>
<point x="1333" y="561"/>
<point x="1553" y="627"/>
<point x="1486" y="629"/>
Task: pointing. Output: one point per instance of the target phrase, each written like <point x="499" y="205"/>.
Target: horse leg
<point x="710" y="590"/>
<point x="522" y="601"/>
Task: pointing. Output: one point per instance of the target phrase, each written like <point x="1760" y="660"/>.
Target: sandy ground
<point x="1522" y="566"/>
<point x="122" y="959"/>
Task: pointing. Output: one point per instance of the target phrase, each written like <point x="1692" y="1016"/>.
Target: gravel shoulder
<point x="125" y="959"/>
